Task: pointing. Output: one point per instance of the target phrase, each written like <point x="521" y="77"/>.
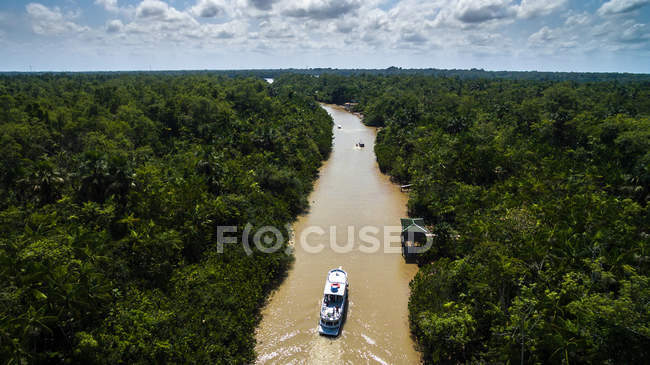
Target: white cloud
<point x="262" y="4"/>
<point x="114" y="26"/>
<point x="229" y="30"/>
<point x="208" y="8"/>
<point x="586" y="33"/>
<point x="473" y="14"/>
<point x="343" y="25"/>
<point x="437" y="24"/>
<point x="320" y="9"/>
<point x="48" y="21"/>
<point x="535" y="8"/>
<point x="109" y="5"/>
<point x="152" y="9"/>
<point x="483" y="39"/>
<point x="636" y="33"/>
<point x="543" y="36"/>
<point x="413" y="36"/>
<point x="112" y="6"/>
<point x="375" y="28"/>
<point x="552" y="40"/>
<point x="155" y="22"/>
<point x="479" y="11"/>
<point x="326" y="28"/>
<point x="578" y="20"/>
<point x="621" y="6"/>
<point x="155" y="10"/>
<point x="276" y="30"/>
<point x="376" y="20"/>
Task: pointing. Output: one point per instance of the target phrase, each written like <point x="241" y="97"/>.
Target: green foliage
<point x="538" y="193"/>
<point x="112" y="187"/>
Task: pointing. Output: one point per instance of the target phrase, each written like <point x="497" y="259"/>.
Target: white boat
<point x="339" y="126"/>
<point x="333" y="306"/>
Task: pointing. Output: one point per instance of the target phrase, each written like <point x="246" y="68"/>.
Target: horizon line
<point x="396" y="68"/>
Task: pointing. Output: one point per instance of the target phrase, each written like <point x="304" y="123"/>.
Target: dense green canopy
<point x="539" y="192"/>
<point x="113" y="186"/>
<point x="112" y="189"/>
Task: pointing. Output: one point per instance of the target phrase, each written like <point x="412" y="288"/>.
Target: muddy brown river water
<point x="350" y="194"/>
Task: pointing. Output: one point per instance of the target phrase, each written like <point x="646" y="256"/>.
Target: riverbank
<point x="350" y="194"/>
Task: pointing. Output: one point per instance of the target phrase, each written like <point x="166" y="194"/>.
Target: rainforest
<point x="112" y="188"/>
<point x="538" y="193"/>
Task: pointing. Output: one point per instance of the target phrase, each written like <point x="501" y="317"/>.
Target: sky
<point x="542" y="35"/>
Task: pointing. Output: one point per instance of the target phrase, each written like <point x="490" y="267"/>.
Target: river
<point x="351" y="193"/>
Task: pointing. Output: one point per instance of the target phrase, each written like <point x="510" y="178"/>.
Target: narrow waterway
<point x="350" y="194"/>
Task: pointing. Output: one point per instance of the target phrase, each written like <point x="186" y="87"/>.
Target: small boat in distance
<point x="338" y="126"/>
<point x="360" y="144"/>
<point x="335" y="297"/>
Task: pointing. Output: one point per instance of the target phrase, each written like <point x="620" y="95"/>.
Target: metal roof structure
<point x="415" y="225"/>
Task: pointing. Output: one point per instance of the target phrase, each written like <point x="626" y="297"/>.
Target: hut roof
<point x="413" y="225"/>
